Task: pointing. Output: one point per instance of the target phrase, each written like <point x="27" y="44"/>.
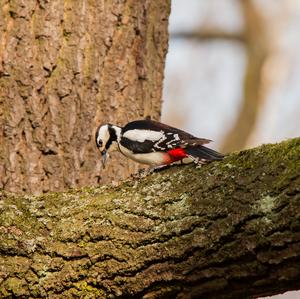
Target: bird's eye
<point x="99" y="143"/>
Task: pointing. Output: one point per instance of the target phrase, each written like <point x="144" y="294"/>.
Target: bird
<point x="153" y="143"/>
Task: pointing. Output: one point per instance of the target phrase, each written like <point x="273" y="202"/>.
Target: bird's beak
<point x="104" y="156"/>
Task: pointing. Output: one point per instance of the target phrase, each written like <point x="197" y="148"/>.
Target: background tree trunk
<point x="230" y="229"/>
<point x="65" y="67"/>
<point x="258" y="49"/>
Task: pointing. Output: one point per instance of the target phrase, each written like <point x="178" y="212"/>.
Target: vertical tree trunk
<point x="258" y="49"/>
<point x="66" y="66"/>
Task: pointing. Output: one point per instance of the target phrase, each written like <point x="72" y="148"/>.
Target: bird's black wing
<point x="169" y="138"/>
<point x="136" y="146"/>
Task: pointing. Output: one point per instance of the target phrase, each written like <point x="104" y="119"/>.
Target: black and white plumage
<point x="153" y="143"/>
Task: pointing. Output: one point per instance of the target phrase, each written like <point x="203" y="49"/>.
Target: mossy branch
<point x="229" y="229"/>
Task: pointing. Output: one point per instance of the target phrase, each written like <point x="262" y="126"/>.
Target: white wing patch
<point x="142" y="135"/>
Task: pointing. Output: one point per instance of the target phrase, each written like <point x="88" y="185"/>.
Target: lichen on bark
<point x="229" y="229"/>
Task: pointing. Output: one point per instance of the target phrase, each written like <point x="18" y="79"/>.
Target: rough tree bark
<point x="229" y="229"/>
<point x="65" y="66"/>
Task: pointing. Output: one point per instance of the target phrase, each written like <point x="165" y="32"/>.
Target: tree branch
<point x="229" y="229"/>
<point x="208" y="34"/>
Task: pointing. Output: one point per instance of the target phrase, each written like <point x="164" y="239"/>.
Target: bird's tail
<point x="201" y="154"/>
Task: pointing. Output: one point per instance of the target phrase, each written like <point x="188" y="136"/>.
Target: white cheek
<point x="103" y="137"/>
<point x="99" y="139"/>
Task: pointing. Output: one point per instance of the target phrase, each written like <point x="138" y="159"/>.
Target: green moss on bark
<point x="243" y="213"/>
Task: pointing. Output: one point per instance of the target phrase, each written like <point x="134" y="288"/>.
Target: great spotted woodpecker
<point x="153" y="143"/>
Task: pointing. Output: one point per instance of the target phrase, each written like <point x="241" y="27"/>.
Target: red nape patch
<point x="177" y="154"/>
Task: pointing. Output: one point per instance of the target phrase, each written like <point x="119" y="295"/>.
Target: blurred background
<point x="233" y="71"/>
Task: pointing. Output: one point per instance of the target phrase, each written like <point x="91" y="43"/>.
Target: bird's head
<point x="107" y="137"/>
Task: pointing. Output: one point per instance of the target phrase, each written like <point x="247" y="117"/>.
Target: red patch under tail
<point x="177" y="154"/>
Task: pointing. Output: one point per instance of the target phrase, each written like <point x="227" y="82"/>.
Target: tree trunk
<point x="258" y="49"/>
<point x="65" y="67"/>
<point x="229" y="229"/>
